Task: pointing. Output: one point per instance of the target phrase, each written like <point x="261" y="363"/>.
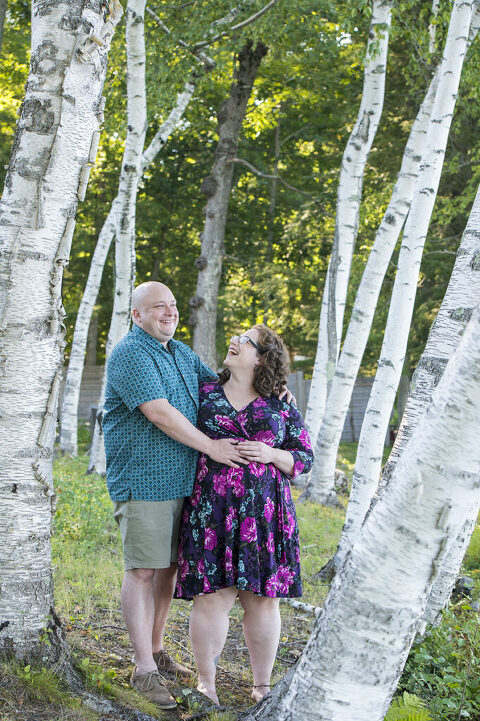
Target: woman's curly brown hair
<point x="271" y="374"/>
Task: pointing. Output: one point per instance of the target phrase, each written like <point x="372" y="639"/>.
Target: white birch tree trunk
<point x="461" y="297"/>
<point x="382" y="396"/>
<point x="71" y="395"/>
<point x="355" y="655"/>
<point x="360" y="324"/>
<point x="54" y="148"/>
<point x="349" y="196"/>
<point x="216" y="187"/>
<point x="462" y="294"/>
<point x="127" y="201"/>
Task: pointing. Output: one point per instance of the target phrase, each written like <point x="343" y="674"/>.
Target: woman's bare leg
<point x="208" y="633"/>
<point x="261" y="627"/>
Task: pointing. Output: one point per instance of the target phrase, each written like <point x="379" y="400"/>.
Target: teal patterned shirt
<point x="143" y="463"/>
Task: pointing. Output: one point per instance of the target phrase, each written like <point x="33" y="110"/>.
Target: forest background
<point x="280" y="229"/>
<point x="299" y="117"/>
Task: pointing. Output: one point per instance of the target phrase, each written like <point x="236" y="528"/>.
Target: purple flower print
<point x="238" y="487"/>
<point x="284" y="577"/>
<point x="210" y="539"/>
<point x="289" y="525"/>
<point x="197" y="492"/>
<point x="304" y="439"/>
<point x="248" y="530"/>
<point x="256" y="469"/>
<point x="265" y="436"/>
<point x="183" y="570"/>
<point x="200" y="567"/>
<point x="202" y="469"/>
<point x="269" y="509"/>
<point x="185" y="517"/>
<point x="228" y="559"/>
<point x="286" y="493"/>
<point x="271" y="586"/>
<point x="206" y="585"/>
<point x="226" y="423"/>
<point x="232" y="513"/>
<point x="220" y="484"/>
<point x="270" y="543"/>
<point x="208" y="387"/>
<point x="297" y="469"/>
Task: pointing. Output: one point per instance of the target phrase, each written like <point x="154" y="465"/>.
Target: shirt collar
<point x="150" y="341"/>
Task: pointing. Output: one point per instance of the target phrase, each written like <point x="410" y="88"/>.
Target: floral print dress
<point x="239" y="527"/>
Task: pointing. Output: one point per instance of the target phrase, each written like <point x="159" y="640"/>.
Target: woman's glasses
<point x="242" y="339"/>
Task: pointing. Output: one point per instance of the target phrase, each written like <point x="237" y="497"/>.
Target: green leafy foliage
<point x="408" y="708"/>
<point x="444" y="670"/>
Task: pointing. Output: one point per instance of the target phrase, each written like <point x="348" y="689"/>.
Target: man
<point x="151" y="445"/>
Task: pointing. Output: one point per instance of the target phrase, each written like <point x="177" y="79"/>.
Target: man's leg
<point x="163" y="588"/>
<point x="138" y="612"/>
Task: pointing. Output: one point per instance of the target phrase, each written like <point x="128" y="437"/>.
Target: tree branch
<point x="243" y="24"/>
<point x="198" y="54"/>
<point x="271" y="177"/>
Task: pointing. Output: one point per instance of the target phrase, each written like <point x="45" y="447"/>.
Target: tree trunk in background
<point x="355" y="655"/>
<point x="370" y="447"/>
<point x="364" y="307"/>
<point x="3" y="11"/>
<point x="53" y="151"/>
<point x="349" y="196"/>
<point x="68" y="427"/>
<point x="127" y="201"/>
<point x="216" y="187"/>
<point x="271" y="216"/>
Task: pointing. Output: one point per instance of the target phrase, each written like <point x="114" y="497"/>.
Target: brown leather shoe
<point x="166" y="664"/>
<point x="150" y="686"/>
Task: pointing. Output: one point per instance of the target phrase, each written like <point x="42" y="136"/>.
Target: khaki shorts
<point x="149" y="532"/>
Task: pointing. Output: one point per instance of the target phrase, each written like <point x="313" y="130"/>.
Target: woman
<point x="239" y="533"/>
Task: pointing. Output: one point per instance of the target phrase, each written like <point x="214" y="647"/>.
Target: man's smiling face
<point x="155" y="310"/>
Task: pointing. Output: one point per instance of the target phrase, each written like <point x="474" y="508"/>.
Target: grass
<point x="88" y="571"/>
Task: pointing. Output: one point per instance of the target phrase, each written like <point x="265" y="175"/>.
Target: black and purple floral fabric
<point x="239" y="527"/>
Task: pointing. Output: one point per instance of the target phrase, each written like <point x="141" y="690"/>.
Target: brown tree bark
<point x="216" y="187"/>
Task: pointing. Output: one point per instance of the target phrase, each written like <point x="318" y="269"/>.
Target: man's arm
<point x="175" y="425"/>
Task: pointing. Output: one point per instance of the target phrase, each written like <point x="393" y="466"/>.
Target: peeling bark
<point x="58" y="122"/>
<point x="354" y="658"/>
<point x="127" y="201"/>
<point x="320" y="481"/>
<point x="382" y="396"/>
<point x="349" y="197"/>
<point x="216" y="187"/>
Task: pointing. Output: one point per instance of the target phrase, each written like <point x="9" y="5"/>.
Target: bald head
<point x="154" y="309"/>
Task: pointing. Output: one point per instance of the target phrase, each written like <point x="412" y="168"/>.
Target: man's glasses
<point x="242" y="339"/>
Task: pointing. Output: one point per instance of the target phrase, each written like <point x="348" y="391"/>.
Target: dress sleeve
<point x="135" y="376"/>
<point x="297" y="441"/>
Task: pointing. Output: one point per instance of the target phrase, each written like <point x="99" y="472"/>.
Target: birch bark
<point x="461" y="297"/>
<point x="69" y="422"/>
<point x="127" y="200"/>
<point x="366" y="300"/>
<point x="349" y="196"/>
<point x="54" y="148"/>
<point x="355" y="655"/>
<point x="370" y="447"/>
<point x="216" y="187"/>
